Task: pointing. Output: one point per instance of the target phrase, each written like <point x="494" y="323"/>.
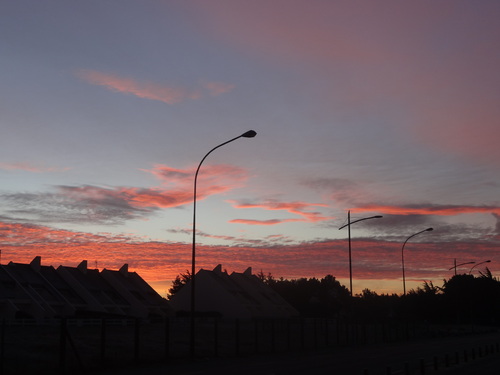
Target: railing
<point x="64" y="345"/>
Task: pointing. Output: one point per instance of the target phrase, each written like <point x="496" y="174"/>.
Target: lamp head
<point x="429" y="229"/>
<point x="249" y="134"/>
<point x="378" y="216"/>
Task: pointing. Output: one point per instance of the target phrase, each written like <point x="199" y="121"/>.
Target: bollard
<point x="465" y="356"/>
<point x="422" y="366"/>
<point x="457" y="358"/>
<point x="436" y="363"/>
<point x="446" y="361"/>
<point x="389" y="370"/>
<point x="407" y="368"/>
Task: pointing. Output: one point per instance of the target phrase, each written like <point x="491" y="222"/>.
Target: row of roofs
<point x="236" y="295"/>
<point x="37" y="291"/>
<point x="40" y="292"/>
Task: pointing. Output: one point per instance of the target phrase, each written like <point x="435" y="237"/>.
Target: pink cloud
<point x="217" y="88"/>
<point x="150" y="90"/>
<point x="296" y="208"/>
<point x="441" y="210"/>
<point x="263" y="222"/>
<point x="372" y="57"/>
<point x="155" y="261"/>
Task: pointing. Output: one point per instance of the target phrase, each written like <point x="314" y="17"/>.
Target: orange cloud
<point x="159" y="262"/>
<point x="149" y="90"/>
<point x="441" y="210"/>
<point x="263" y="222"/>
<point x="296" y="208"/>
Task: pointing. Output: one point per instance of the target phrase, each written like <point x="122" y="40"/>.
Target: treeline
<point x="462" y="299"/>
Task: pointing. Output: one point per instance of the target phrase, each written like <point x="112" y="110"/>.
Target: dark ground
<point x="366" y="360"/>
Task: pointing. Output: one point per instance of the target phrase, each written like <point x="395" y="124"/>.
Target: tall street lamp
<point x="248" y="134"/>
<point x="403" y="259"/>
<point x="348" y="225"/>
<point x="474" y="266"/>
<point x="458" y="265"/>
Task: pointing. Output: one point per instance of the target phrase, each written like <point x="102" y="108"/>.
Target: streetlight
<point x="348" y="225"/>
<point x="458" y="265"/>
<point x="403" y="259"/>
<point x="486" y="261"/>
<point x="248" y="134"/>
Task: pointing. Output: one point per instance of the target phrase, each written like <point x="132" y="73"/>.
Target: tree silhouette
<point x="180" y="280"/>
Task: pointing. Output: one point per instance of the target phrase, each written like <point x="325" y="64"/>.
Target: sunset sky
<point x="381" y="107"/>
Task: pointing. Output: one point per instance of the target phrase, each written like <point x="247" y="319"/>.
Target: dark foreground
<point x="472" y="354"/>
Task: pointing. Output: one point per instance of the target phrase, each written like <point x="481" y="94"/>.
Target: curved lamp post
<point x="248" y="134"/>
<point x="348" y="225"/>
<point x="458" y="265"/>
<point x="474" y="266"/>
<point x="403" y="259"/>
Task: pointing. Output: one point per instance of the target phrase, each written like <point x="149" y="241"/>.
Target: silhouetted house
<point x="238" y="295"/>
<point x="36" y="291"/>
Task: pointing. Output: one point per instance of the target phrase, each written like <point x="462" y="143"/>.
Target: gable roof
<point x="35" y="290"/>
<point x="240" y="295"/>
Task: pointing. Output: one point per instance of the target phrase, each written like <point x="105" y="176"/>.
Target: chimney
<point x="83" y="266"/>
<point x="124" y="270"/>
<point x="36" y="263"/>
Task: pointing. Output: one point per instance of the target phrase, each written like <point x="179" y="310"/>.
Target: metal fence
<point x="66" y="346"/>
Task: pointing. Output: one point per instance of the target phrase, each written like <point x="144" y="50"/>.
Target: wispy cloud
<point x="429" y="209"/>
<point x="296" y="208"/>
<point x="263" y="222"/>
<point x="88" y="204"/>
<point x="150" y="90"/>
<point x="30" y="167"/>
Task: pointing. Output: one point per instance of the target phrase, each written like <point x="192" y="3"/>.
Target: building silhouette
<point x="235" y="295"/>
<point x="43" y="292"/>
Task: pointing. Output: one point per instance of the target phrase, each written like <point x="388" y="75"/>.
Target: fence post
<point x="136" y="339"/>
<point x="289" y="334"/>
<point x="167" y="337"/>
<point x="216" y="337"/>
<point x="273" y="335"/>
<point x="237" y="336"/>
<point x="62" y="346"/>
<point x="315" y="330"/>
<point x="256" y="322"/>
<point x="2" y="347"/>
<point x="103" y="340"/>
<point x="302" y="334"/>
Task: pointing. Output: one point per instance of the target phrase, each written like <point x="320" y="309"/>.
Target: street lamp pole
<point x="348" y="225"/>
<point x="474" y="266"/>
<point x="458" y="265"/>
<point x="403" y="259"/>
<point x="248" y="134"/>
